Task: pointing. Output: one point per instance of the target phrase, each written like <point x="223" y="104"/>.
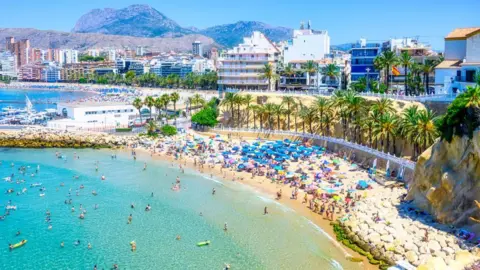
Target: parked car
<point x="137" y="123"/>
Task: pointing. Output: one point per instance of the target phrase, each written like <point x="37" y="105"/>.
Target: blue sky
<point x="346" y="20"/>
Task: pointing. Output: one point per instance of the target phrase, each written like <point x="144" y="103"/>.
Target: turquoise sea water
<point x="280" y="240"/>
<point x="16" y="97"/>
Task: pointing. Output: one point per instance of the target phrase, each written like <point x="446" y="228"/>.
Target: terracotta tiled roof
<point x="449" y="64"/>
<point x="463" y="33"/>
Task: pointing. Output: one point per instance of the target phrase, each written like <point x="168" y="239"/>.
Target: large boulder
<point x="446" y="181"/>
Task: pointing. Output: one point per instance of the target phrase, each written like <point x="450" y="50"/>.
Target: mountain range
<point x="142" y="25"/>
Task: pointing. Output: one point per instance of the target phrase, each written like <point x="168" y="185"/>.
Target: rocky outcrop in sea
<point x="50" y="138"/>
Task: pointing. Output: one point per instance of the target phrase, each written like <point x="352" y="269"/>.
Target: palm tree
<point x="151" y="128"/>
<point x="408" y="128"/>
<point x="254" y="108"/>
<point x="138" y="104"/>
<point x="289" y="71"/>
<point x="149" y="102"/>
<point x="247" y="100"/>
<point x="321" y="105"/>
<point x="175" y="97"/>
<point x="268" y="109"/>
<point x="239" y="102"/>
<point x="290" y="102"/>
<point x="158" y="105"/>
<point x="269" y="74"/>
<point x="385" y="129"/>
<point x="310" y="68"/>
<point x="197" y="99"/>
<point x="383" y="106"/>
<point x="368" y="123"/>
<point x="328" y="120"/>
<point x="229" y="101"/>
<point x="355" y="106"/>
<point x="278" y="111"/>
<point x="387" y="60"/>
<point x="165" y="100"/>
<point x="339" y="102"/>
<point x="331" y="71"/>
<point x="406" y="61"/>
<point x="304" y="114"/>
<point x="427" y="68"/>
<point x="426" y="130"/>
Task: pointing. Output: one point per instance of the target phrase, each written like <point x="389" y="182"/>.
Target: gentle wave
<point x="336" y="265"/>
<point x="345" y="252"/>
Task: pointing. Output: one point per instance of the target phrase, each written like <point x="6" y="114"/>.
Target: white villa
<point x="462" y="60"/>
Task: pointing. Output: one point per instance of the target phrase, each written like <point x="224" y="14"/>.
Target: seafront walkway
<point x="386" y="156"/>
<point x="441" y="97"/>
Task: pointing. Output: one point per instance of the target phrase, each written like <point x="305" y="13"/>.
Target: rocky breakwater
<point x="446" y="182"/>
<point x="49" y="138"/>
<point x="390" y="229"/>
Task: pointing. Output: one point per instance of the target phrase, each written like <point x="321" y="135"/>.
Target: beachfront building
<point x="51" y="73"/>
<point x="202" y="65"/>
<point x="362" y="55"/>
<point x="306" y="44"/>
<point x="165" y="68"/>
<point x="91" y="115"/>
<point x="242" y="67"/>
<point x="30" y="72"/>
<point x="73" y="72"/>
<point x="125" y="65"/>
<point x="462" y="60"/>
<point x="8" y="67"/>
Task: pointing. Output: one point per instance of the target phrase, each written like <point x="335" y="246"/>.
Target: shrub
<point x="168" y="130"/>
<point x="123" y="129"/>
<point x="206" y="117"/>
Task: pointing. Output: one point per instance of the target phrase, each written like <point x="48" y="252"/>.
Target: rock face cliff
<point x="447" y="181"/>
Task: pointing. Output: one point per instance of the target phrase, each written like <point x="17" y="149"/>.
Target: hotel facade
<point x="242" y="67"/>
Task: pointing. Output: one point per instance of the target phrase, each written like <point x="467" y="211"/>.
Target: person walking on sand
<point x="144" y="166"/>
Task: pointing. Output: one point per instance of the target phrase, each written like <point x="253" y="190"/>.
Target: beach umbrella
<point x="400" y="175"/>
<point x="363" y="184"/>
<point x="329" y="190"/>
<point x="336" y="198"/>
<point x="245" y="158"/>
<point x="336" y="161"/>
<point x="278" y="168"/>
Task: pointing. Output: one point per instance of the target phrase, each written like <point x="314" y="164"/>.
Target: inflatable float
<point x="204" y="243"/>
<point x="19" y="244"/>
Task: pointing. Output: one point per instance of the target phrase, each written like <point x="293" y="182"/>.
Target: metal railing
<point x="387" y="156"/>
<point x="326" y="92"/>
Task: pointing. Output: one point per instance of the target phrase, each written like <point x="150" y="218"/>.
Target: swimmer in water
<point x="103" y="177"/>
<point x="129" y="219"/>
<point x="144" y="166"/>
<point x="225" y="227"/>
<point x="73" y="208"/>
<point x="213" y="191"/>
<point x="89" y="246"/>
<point x="178" y="237"/>
<point x="18" y="233"/>
<point x="62" y="244"/>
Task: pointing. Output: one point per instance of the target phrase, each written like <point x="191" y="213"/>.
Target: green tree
<point x="310" y="68"/>
<point x="427" y="68"/>
<point x="321" y="106"/>
<point x="168" y="130"/>
<point x="130" y="76"/>
<point x="138" y="104"/>
<point x="159" y="105"/>
<point x="426" y="130"/>
<point x="152" y="128"/>
<point x="247" y="100"/>
<point x="387" y="60"/>
<point x="269" y="109"/>
<point x="149" y="102"/>
<point x="289" y="101"/>
<point x="229" y="101"/>
<point x="406" y="61"/>
<point x="278" y="111"/>
<point x="385" y="129"/>
<point x="206" y="117"/>
<point x="331" y="71"/>
<point x="175" y="97"/>
<point x="269" y="74"/>
<point x="165" y="100"/>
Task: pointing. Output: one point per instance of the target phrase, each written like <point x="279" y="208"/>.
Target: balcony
<point x="238" y="74"/>
<point x="241" y="67"/>
<point x="247" y="59"/>
<point x="242" y="82"/>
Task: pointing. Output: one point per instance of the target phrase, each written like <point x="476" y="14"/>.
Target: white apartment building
<point x="305" y="45"/>
<point x="112" y="55"/>
<point x="202" y="65"/>
<point x="462" y="60"/>
<point x="68" y="57"/>
<point x="93" y="115"/>
<point x="242" y="67"/>
<point x="7" y="64"/>
<point x="94" y="52"/>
